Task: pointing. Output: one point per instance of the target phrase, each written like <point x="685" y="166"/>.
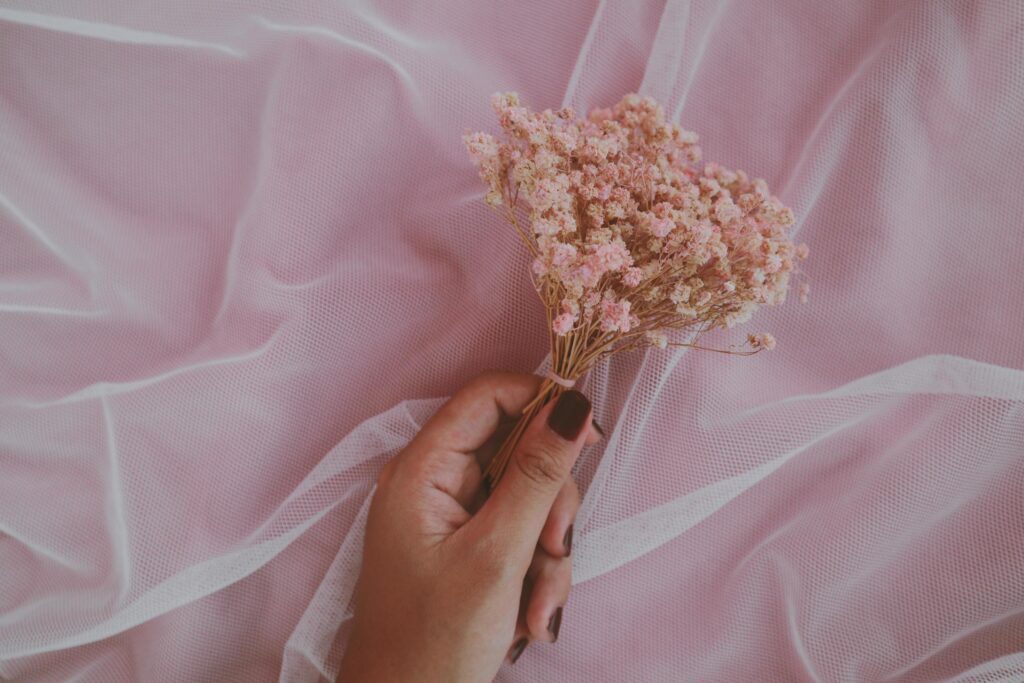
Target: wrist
<point x="384" y="656"/>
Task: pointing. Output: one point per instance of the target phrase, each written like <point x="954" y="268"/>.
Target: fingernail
<point x="598" y="428"/>
<point x="555" y="623"/>
<point x="569" y="414"/>
<point x="517" y="650"/>
<point x="567" y="541"/>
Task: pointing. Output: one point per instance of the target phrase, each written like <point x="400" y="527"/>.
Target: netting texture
<point x="244" y="256"/>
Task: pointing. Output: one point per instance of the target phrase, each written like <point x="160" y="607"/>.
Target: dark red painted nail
<point x="569" y="414"/>
<point x="567" y="540"/>
<point x="517" y="650"/>
<point x="555" y="623"/>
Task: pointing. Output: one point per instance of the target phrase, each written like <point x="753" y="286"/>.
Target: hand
<point x="452" y="581"/>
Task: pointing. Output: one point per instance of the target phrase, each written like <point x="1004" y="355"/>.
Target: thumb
<point x="537" y="469"/>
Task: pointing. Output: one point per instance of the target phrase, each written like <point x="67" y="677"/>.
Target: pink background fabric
<point x="244" y="255"/>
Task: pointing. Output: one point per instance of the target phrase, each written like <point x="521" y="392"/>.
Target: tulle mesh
<point x="244" y="254"/>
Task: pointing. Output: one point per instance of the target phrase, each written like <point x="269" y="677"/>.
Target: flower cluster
<point x="631" y="234"/>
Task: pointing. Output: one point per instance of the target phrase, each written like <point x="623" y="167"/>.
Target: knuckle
<point x="481" y="384"/>
<point x="484" y="379"/>
<point x="540" y="463"/>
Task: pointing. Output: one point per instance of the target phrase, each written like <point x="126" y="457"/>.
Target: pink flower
<point x="562" y="324"/>
<point x="680" y="294"/>
<point x="565" y="139"/>
<point x="701" y="233"/>
<point x="805" y="289"/>
<point x="545" y="226"/>
<point x="657" y="338"/>
<point x="773" y="263"/>
<point x="662" y="209"/>
<point x="563" y="255"/>
<point x="690" y="243"/>
<point x="761" y="341"/>
<point x="660" y="227"/>
<point x="552" y="193"/>
<point x="566" y="221"/>
<point x="547" y="161"/>
<point x="537" y="132"/>
<point x="632" y="277"/>
<point x="614" y="255"/>
<point x="584" y="275"/>
<point x="740" y="316"/>
<point x="726" y="211"/>
<point x="615" y="315"/>
<point x="710" y="186"/>
<point x="481" y="146"/>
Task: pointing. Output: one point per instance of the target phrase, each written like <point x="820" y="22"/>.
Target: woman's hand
<point x="452" y="581"/>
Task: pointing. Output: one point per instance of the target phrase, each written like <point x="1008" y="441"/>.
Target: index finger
<point x="472" y="415"/>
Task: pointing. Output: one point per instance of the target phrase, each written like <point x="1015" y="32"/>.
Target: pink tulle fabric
<point x="244" y="256"/>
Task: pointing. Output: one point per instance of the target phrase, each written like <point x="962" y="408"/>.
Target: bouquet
<point x="632" y="236"/>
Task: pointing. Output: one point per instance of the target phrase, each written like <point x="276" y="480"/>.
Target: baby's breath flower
<point x="680" y="293"/>
<point x="761" y="341"/>
<point x="805" y="289"/>
<point x="615" y="316"/>
<point x="562" y="324"/>
<point x="563" y="254"/>
<point x="657" y="338"/>
<point x="631" y="233"/>
<point x="632" y="277"/>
